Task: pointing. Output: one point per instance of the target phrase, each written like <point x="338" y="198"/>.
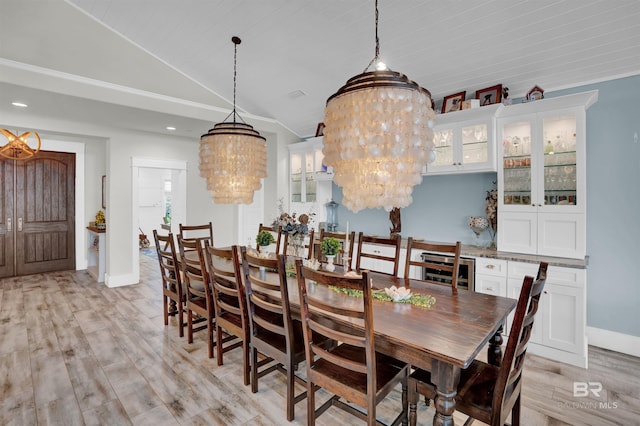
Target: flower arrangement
<point x="293" y="225"/>
<point x="491" y="209"/>
<point x="330" y="246"/>
<point x="264" y="238"/>
<point x="100" y="222"/>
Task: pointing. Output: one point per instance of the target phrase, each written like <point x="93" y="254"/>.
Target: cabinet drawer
<point x="495" y="267"/>
<point x="518" y="270"/>
<point x="491" y="284"/>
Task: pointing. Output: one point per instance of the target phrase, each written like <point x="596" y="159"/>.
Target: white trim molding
<point x="612" y="340"/>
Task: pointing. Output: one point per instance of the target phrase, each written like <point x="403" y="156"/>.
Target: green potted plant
<point x="330" y="248"/>
<point x="264" y="239"/>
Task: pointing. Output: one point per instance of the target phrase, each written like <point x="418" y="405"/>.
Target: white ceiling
<point x="313" y="47"/>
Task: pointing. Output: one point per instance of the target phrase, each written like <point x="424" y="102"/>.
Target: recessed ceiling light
<point x="19" y="104"/>
<point x="170" y="128"/>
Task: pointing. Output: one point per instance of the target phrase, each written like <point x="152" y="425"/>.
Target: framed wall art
<point x="490" y="95"/>
<point x="104" y="192"/>
<point x="453" y="102"/>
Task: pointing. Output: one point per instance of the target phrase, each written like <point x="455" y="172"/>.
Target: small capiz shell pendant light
<point x="377" y="137"/>
<point x="233" y="156"/>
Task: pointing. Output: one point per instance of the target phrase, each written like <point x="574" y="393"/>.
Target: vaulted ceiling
<point x="296" y="53"/>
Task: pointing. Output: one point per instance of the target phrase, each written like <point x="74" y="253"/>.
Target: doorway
<point x="37" y="214"/>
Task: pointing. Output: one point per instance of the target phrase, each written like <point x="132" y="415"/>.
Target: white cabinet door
<point x="562" y="313"/>
<point x="377" y="264"/>
<point x="518" y="232"/>
<point x="561" y="234"/>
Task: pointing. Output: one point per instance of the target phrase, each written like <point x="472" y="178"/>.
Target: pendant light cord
<point x="236" y="41"/>
<point x="377" y="52"/>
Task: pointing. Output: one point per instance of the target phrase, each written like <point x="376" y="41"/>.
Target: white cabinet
<point x="309" y="178"/>
<point x="542" y="176"/>
<point x="491" y="276"/>
<point x="96" y="253"/>
<point x="559" y="331"/>
<point x="465" y="141"/>
<point x="377" y="264"/>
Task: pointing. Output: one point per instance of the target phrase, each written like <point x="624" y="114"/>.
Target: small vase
<point x="330" y="266"/>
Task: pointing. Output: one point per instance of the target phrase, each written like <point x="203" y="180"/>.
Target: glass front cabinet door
<point x="542" y="176"/>
<point x="309" y="178"/>
<point x="464" y="141"/>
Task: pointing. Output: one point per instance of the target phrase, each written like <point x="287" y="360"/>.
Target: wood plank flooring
<point x="75" y="352"/>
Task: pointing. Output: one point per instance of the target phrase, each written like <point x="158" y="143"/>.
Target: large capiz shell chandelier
<point x="18" y="147"/>
<point x="377" y="137"/>
<point x="233" y="156"/>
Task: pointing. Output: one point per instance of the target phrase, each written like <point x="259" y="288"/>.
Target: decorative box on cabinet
<point x="542" y="176"/>
<point x="465" y="141"/>
<point x="96" y="253"/>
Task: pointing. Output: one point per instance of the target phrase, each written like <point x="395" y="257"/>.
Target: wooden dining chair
<point x="307" y="245"/>
<point x="273" y="333"/>
<point x="379" y="249"/>
<point x="232" y="322"/>
<point x="276" y="231"/>
<point x="487" y="392"/>
<point x="199" y="232"/>
<point x="448" y="272"/>
<point x="173" y="298"/>
<point x="346" y="243"/>
<point x="351" y="370"/>
<point x="199" y="299"/>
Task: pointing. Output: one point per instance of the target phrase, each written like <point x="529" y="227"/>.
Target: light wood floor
<point x="74" y="352"/>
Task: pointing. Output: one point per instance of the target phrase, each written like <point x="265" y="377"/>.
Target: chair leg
<point x="245" y="356"/>
<point x="165" y="309"/>
<point x="311" y="404"/>
<point x="189" y="326"/>
<point x="219" y="344"/>
<point x="404" y="401"/>
<point x="210" y="332"/>
<point x="254" y="370"/>
<point x="180" y="319"/>
<point x="413" y="402"/>
<point x="291" y="403"/>
<point x="515" y="413"/>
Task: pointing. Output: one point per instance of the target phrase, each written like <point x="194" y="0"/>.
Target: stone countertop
<point x="476" y="251"/>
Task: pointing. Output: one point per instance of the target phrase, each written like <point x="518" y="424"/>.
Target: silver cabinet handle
<point x="490" y="266"/>
<point x="489" y="288"/>
<point x="9" y="224"/>
<point x="19" y="224"/>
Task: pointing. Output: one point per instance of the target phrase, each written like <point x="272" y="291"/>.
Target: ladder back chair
<point x="347" y="242"/>
<point x="351" y="370"/>
<point x="276" y="231"/>
<point x="449" y="271"/>
<point x="232" y="323"/>
<point x="379" y="249"/>
<point x="199" y="232"/>
<point x="199" y="299"/>
<point x="272" y="331"/>
<point x="487" y="392"/>
<point x="173" y="298"/>
<point x="305" y="251"/>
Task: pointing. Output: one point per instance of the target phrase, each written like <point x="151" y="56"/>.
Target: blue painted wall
<point x="442" y="204"/>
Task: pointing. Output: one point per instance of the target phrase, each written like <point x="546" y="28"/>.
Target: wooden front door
<point x="37" y="227"/>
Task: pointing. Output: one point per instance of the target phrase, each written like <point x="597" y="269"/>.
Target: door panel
<point x="7" y="219"/>
<point x="45" y="213"/>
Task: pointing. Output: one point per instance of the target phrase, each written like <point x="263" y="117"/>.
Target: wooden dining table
<point x="443" y="339"/>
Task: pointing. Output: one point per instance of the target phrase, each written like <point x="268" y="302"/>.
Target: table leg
<point x="494" y="351"/>
<point x="446" y="378"/>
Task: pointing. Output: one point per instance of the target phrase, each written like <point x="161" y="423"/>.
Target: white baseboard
<point x="612" y="340"/>
<point x="120" y="280"/>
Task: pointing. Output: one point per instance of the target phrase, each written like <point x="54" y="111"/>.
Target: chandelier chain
<point x="235" y="73"/>
<point x="377" y="38"/>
